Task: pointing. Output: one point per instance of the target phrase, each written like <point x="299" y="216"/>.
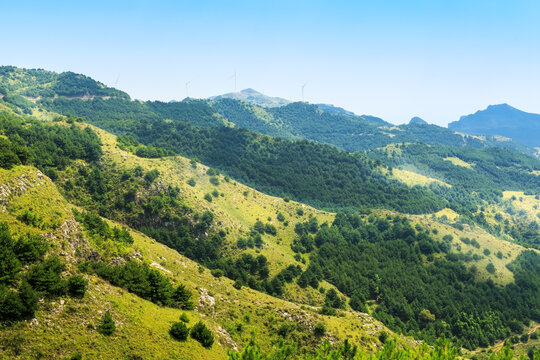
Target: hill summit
<point x="254" y="97"/>
<point x="417" y="120"/>
<point x="502" y="120"/>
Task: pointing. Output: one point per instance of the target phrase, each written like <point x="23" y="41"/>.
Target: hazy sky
<point x="437" y="59"/>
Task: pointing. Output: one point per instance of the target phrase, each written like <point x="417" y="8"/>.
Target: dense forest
<point x="419" y="287"/>
<point x="316" y="174"/>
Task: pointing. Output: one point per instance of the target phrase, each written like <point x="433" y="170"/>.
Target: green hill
<point x="150" y="235"/>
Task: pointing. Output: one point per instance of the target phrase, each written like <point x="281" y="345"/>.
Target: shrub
<point x="184" y="318"/>
<point x="107" y="326"/>
<point x="320" y="329"/>
<point x="182" y="297"/>
<point x="208" y="197"/>
<point x="487" y="252"/>
<point x="383" y="336"/>
<point x="270" y="229"/>
<point x="77" y="285"/>
<point x="490" y="268"/>
<point x="214" y="180"/>
<point x="179" y="331"/>
<point x="280" y="217"/>
<point x="202" y="334"/>
<point x="300" y="212"/>
<point x="217" y="273"/>
<point x="46" y="277"/>
<point x="448" y="238"/>
<point x="191" y="182"/>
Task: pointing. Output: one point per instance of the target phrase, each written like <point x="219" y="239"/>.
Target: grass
<point x="411" y="178"/>
<point x="510" y="251"/>
<point x="67" y="326"/>
<point x="458" y="162"/>
<point x="236" y="211"/>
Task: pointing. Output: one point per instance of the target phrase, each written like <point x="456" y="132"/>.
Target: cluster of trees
<point x="128" y="143"/>
<point x="143" y="281"/>
<point x="100" y="230"/>
<point x="26" y="275"/>
<point x="420" y="288"/>
<point x="48" y="147"/>
<point x="200" y="332"/>
<point x="442" y="350"/>
<point x="328" y="177"/>
<point x="491" y="168"/>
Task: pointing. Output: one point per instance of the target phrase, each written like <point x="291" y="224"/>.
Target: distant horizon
<point x="436" y="60"/>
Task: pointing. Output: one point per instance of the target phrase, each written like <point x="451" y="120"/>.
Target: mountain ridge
<point x="502" y="120"/>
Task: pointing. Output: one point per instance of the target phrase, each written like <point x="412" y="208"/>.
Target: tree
<point x="179" y="331"/>
<point x="77" y="285"/>
<point x="182" y="298"/>
<point x="202" y="334"/>
<point x="9" y="264"/>
<point x="107" y="326"/>
<point x="320" y="329"/>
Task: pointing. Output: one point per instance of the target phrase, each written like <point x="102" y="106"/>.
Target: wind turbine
<point x="117" y="78"/>
<point x="302" y="87"/>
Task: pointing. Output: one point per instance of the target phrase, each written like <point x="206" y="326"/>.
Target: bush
<point x="46" y="277"/>
<point x="107" y="326"/>
<point x="208" y="197"/>
<point x="214" y="180"/>
<point x="179" y="331"/>
<point x="184" y="318"/>
<point x="182" y="298"/>
<point x="217" y="273"/>
<point x="202" y="334"/>
<point x="77" y="285"/>
<point x="383" y="336"/>
<point x="280" y="217"/>
<point x="490" y="268"/>
<point x="191" y="182"/>
<point x="270" y="229"/>
<point x="320" y="329"/>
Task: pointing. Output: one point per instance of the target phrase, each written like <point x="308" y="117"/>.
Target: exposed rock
<point x="206" y="300"/>
<point x="158" y="266"/>
<point x="226" y="339"/>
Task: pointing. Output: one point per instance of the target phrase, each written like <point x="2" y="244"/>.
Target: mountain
<point x="501" y="120"/>
<point x="118" y="245"/>
<point x="253" y="97"/>
<point x="417" y="120"/>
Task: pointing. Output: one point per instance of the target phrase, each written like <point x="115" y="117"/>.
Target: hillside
<point x="142" y="224"/>
<point x="501" y="120"/>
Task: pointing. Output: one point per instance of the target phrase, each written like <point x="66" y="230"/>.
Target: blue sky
<point x="394" y="59"/>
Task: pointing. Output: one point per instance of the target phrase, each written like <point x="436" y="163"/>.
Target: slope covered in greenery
<point x="253" y="251"/>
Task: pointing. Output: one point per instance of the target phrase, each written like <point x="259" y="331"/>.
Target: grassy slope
<point x="64" y="326"/>
<point x="61" y="329"/>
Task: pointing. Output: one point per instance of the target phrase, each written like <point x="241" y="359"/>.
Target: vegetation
<point x="202" y="334"/>
<point x="107" y="326"/>
<point x="419" y="286"/>
<point x="179" y="331"/>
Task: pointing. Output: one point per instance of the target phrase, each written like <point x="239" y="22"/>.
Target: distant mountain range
<point x="502" y="120"/>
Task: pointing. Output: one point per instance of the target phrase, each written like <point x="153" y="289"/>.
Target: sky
<point x="437" y="59"/>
